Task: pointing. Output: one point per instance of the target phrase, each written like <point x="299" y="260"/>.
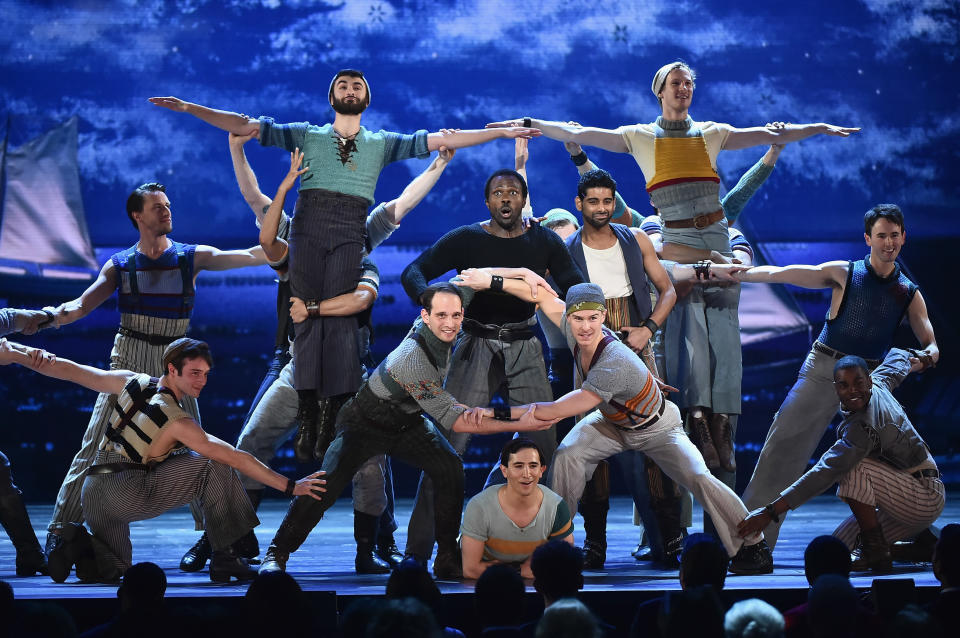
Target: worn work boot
<point x="595" y="532"/>
<point x="365" y="532"/>
<point x="308" y="413"/>
<point x="448" y="565"/>
<point x="15" y="519"/>
<point x="225" y="564"/>
<point x="752" y="560"/>
<point x="721" y="431"/>
<point x="700" y="435"/>
<point x="916" y="550"/>
<point x="197" y="556"/>
<point x="387" y="550"/>
<point x="874" y="553"/>
<point x="327" y="424"/>
<point x="274" y="560"/>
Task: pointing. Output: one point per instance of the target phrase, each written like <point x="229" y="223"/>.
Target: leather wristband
<point x="651" y="325"/>
<point x="291" y="485"/>
<point x="527" y="122"/>
<point x="501" y="413"/>
<point x="49" y="321"/>
<point x="496" y="282"/>
<point x="313" y="307"/>
<point x="772" y="512"/>
<point x="702" y="270"/>
<point x="579" y="160"/>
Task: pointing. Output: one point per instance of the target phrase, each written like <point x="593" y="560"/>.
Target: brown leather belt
<point x="699" y="222"/>
<point x="819" y="346"/>
<point x="113" y="468"/>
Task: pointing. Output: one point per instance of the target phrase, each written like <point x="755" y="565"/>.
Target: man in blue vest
<point x="622" y="261"/>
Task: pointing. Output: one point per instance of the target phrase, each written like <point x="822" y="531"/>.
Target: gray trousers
<point x="272" y="423"/>
<point x="112" y="501"/>
<point x="594" y="438"/>
<point x="702" y="346"/>
<point x="474" y="378"/>
<point x="127" y="354"/>
<point x="905" y="504"/>
<point x="793" y="437"/>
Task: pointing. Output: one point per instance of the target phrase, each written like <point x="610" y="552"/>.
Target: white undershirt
<point x="608" y="269"/>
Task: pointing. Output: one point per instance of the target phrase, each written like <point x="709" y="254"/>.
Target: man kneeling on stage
<point x="506" y="523"/>
<point x="886" y="472"/>
<point x="137" y="474"/>
<point x="626" y="411"/>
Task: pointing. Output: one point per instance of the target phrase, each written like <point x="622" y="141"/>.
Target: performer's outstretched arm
<point x="606" y="139"/>
<point x="246" y="178"/>
<point x="227" y="120"/>
<point x="210" y="258"/>
<point x="923" y="330"/>
<point x="452" y="138"/>
<point x="831" y="274"/>
<point x="98" y="292"/>
<point x="759" y="135"/>
<point x="416" y="190"/>
<point x="106" y="381"/>
<point x="274" y="247"/>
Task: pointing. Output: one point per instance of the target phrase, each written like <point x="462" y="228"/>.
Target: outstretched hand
<point x="726" y="272"/>
<point x="536" y="282"/>
<point x="296" y="158"/>
<point x="572" y="147"/>
<point x="476" y="278"/>
<point x="838" y="131"/>
<point x="29" y="322"/>
<point x="169" y="102"/>
<point x="310" y="485"/>
<point x="920" y="360"/>
<point x="237" y="141"/>
<point x="756" y="521"/>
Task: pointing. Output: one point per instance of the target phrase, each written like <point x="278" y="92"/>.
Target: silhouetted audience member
<point x="404" y="618"/>
<point x="913" y="621"/>
<point x="278" y="591"/>
<point x="831" y="607"/>
<point x="411" y="580"/>
<point x="557" y="571"/>
<point x="568" y="618"/>
<point x="357" y="615"/>
<point x="6" y="603"/>
<point x="694" y="611"/>
<point x="703" y="562"/>
<point x="44" y="620"/>
<point x="498" y="601"/>
<point x="753" y="618"/>
<point x="140" y="595"/>
<point x="946" y="567"/>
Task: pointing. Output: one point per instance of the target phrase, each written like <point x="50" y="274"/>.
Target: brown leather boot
<point x="874" y="553"/>
<point x="722" y="433"/>
<point x="700" y="435"/>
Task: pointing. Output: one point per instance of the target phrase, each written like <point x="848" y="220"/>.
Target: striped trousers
<point x="112" y="501"/>
<point x="127" y="354"/>
<point x="905" y="504"/>
<point x="326" y="246"/>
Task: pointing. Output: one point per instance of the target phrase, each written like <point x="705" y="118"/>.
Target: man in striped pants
<point x="155" y="284"/>
<point x="137" y="475"/>
<point x="885" y="470"/>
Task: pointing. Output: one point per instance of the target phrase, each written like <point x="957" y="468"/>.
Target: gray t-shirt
<point x="618" y="375"/>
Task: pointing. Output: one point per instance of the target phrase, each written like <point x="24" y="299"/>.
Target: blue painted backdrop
<point x="889" y="67"/>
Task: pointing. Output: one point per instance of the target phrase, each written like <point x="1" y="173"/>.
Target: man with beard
<point x="497" y="352"/>
<point x="869" y="300"/>
<point x="327" y="236"/>
<point x="155" y="284"/>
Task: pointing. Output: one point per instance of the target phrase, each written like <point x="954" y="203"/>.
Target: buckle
<point x="700" y="222"/>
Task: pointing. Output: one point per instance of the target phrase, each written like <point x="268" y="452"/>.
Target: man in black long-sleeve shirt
<point x="497" y="353"/>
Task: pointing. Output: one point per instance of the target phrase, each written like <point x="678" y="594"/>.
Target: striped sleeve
<point x="287" y="136"/>
<point x="562" y="522"/>
<point x="370" y="276"/>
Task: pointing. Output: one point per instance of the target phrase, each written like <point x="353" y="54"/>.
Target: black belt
<point x="919" y="474"/>
<point x="153" y="340"/>
<point x="491" y="331"/>
<point x="113" y="468"/>
<point x="645" y="424"/>
<point x="836" y="354"/>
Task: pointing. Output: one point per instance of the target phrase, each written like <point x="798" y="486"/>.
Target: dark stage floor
<point x="325" y="562"/>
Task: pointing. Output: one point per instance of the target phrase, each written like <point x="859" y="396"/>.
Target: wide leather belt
<point x="113" y="468"/>
<point x="919" y="474"/>
<point x="153" y="340"/>
<point x="836" y="354"/>
<point x="699" y="222"/>
<point x="490" y="331"/>
<point x="645" y="424"/>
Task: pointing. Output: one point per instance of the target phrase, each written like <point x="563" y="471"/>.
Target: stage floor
<point x="325" y="562"/>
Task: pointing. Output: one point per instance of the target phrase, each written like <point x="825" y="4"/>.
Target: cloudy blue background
<point x="888" y="66"/>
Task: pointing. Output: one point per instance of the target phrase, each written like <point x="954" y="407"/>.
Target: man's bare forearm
<point x="227" y="120"/>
